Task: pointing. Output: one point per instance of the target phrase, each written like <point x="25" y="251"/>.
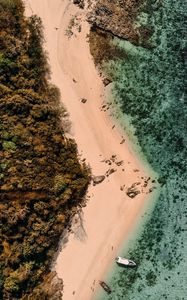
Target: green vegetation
<point x="41" y="180"/>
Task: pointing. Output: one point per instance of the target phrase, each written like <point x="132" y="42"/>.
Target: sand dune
<point x="110" y="214"/>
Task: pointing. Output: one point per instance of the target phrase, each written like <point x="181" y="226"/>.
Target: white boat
<point x="125" y="262"/>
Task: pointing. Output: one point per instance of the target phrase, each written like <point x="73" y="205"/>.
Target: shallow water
<point x="150" y="87"/>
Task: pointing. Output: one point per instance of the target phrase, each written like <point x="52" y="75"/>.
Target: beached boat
<point x="105" y="287"/>
<point x="125" y="262"/>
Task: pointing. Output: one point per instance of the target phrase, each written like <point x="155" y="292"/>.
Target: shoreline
<point x="106" y="223"/>
<point x="128" y="243"/>
<point x="127" y="130"/>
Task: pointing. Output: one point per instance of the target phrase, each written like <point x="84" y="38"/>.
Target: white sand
<point x="110" y="214"/>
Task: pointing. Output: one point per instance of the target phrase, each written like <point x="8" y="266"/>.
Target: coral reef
<point x="149" y="87"/>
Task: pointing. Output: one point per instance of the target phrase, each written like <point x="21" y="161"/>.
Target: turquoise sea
<point x="150" y="89"/>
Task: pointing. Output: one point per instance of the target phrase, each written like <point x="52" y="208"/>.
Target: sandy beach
<point x="110" y="215"/>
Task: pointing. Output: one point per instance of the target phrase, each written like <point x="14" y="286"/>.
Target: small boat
<point x="125" y="262"/>
<point x="105" y="287"/>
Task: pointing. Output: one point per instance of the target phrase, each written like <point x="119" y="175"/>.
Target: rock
<point x="110" y="171"/>
<point x="80" y="3"/>
<point x="113" y="157"/>
<point x="119" y="163"/>
<point x="146" y="182"/>
<point x="106" y="81"/>
<point x="152" y="189"/>
<point x="103" y="11"/>
<point x="123" y="141"/>
<point x="98" y="179"/>
<point x="108" y="162"/>
<point x="117" y="18"/>
<point x="83" y="100"/>
<point x="122" y="187"/>
<point x="132" y="191"/>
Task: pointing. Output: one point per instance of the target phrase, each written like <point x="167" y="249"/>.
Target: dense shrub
<point x="41" y="179"/>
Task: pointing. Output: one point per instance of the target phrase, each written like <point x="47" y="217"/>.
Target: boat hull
<point x="125" y="262"/>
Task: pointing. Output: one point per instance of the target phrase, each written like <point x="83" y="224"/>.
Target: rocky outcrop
<point x="116" y="17"/>
<point x="98" y="179"/>
<point x="80" y="3"/>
